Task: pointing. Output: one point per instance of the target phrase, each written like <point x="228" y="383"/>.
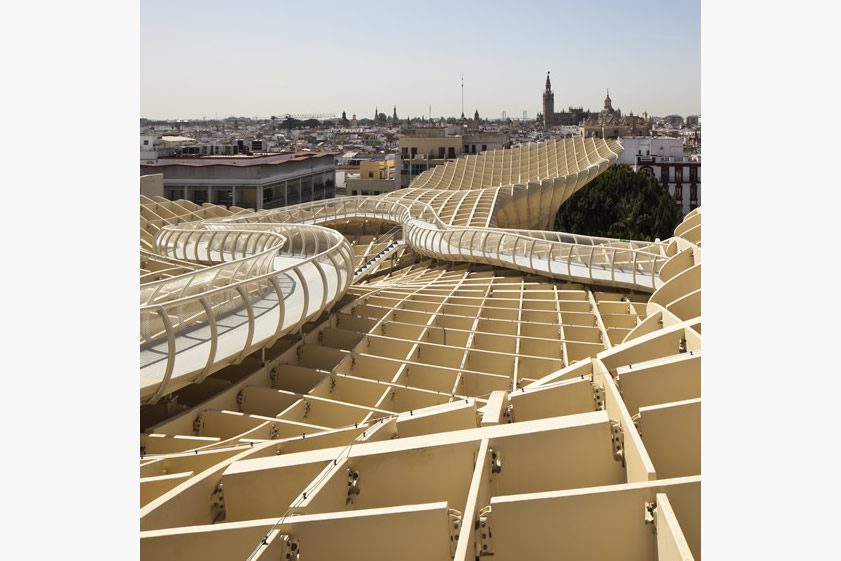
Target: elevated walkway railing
<point x="283" y="266"/>
<point x="605" y="261"/>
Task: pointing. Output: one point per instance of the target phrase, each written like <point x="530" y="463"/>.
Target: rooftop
<point x="254" y="159"/>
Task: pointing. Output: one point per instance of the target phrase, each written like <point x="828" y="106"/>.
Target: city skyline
<point x="648" y="56"/>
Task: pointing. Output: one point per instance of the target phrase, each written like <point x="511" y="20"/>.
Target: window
<point x="442" y="152"/>
<point x="484" y="147"/>
<point x="370" y="174"/>
<point x="354" y="192"/>
<point x="404" y="153"/>
<point x="451" y="152"/>
<point x="145" y="143"/>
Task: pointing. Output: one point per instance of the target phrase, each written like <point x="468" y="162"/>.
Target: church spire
<point x="607" y="102"/>
<point x="548" y="105"/>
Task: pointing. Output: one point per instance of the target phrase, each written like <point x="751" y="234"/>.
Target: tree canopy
<point x="620" y="203"/>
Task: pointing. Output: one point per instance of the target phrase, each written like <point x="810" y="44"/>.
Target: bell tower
<point x="608" y="106"/>
<point x="548" y="104"/>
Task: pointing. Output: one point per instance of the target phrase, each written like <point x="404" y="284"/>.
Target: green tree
<point x="620" y="203"/>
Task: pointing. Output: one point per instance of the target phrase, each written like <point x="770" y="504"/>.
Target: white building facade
<point x="663" y="159"/>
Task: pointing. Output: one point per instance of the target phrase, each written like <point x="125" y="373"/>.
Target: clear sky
<point x="262" y="57"/>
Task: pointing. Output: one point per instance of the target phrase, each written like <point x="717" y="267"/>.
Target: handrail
<point x="198" y="299"/>
<point x="400" y="210"/>
<point x="228" y="287"/>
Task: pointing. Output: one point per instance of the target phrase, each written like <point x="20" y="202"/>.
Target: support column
<point x="186" y="197"/>
<point x="209" y="194"/>
<point x="259" y="205"/>
<point x="233" y="196"/>
<point x="300" y="190"/>
<point x="285" y="193"/>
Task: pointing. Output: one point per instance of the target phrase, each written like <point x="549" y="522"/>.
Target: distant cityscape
<point x="235" y="161"/>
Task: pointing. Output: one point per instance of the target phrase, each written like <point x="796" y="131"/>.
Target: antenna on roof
<point x="462" y="95"/>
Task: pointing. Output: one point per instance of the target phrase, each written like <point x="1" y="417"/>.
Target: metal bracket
<point x="681" y="347"/>
<point x="618" y="442"/>
<point x="598" y="396"/>
<point x="217" y="503"/>
<point x="240" y="399"/>
<point x="307" y="407"/>
<point x="273" y="432"/>
<point x="299" y="352"/>
<point x="483" y="528"/>
<point x="650" y="510"/>
<point x="455" y="526"/>
<point x="636" y="420"/>
<point x="273" y="377"/>
<point x="352" y="485"/>
<point x="332" y="384"/>
<point x="198" y="425"/>
<point x="508" y="413"/>
<point x="496" y="461"/>
<point x="291" y="549"/>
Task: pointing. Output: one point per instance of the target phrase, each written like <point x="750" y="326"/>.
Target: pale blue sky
<point x="262" y="58"/>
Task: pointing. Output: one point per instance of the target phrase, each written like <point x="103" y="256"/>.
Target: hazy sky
<point x="261" y="58"/>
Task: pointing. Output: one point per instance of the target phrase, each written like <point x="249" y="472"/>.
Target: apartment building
<point x="258" y="181"/>
<point x="375" y="177"/>
<point x="663" y="159"/>
<point x="425" y="148"/>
